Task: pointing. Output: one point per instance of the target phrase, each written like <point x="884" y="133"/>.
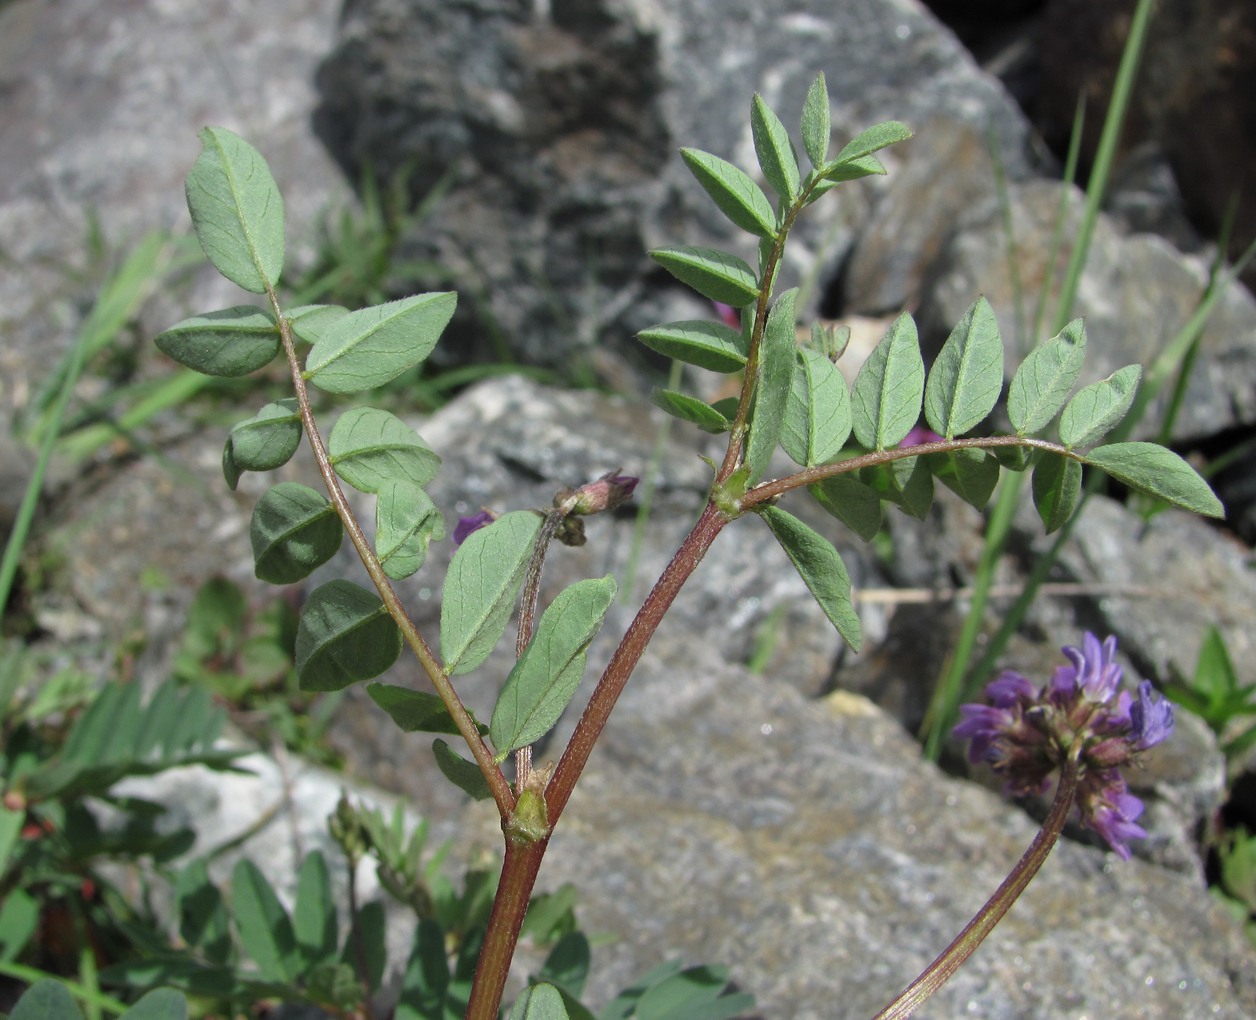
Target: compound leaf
<point x="713" y="274"/>
<point x="1045" y="378"/>
<point x="481" y="588"/>
<point x="345" y="635"/>
<point x="465" y="775"/>
<point x="237" y="211"/>
<point x="367" y="348"/>
<point x="1158" y="472"/>
<point x="370" y="448"/>
<point x="1057" y="487"/>
<point x="821" y="569"/>
<point x="885" y="404"/>
<point x="406" y="523"/>
<point x="1099" y="407"/>
<point x="731" y="188"/>
<point x="264" y="442"/>
<point x="691" y="409"/>
<point x="294" y="530"/>
<point x="816" y="128"/>
<point x="698" y="342"/>
<point x="817" y="411"/>
<point x="967" y="377"/>
<point x="228" y="343"/>
<point x="774" y="150"/>
<point x="546" y="676"/>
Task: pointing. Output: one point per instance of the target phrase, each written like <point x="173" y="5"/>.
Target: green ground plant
<point x="848" y="448"/>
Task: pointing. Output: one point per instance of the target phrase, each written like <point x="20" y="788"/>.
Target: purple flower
<point x="1025" y="732"/>
<point x="728" y="314"/>
<point x="919" y="434"/>
<point x="474" y="522"/>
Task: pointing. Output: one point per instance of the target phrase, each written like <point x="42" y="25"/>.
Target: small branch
<point x="431" y="664"/>
<point x="778" y="487"/>
<point x="975" y="932"/>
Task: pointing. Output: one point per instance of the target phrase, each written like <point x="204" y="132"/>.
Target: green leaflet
<point x="713" y="274"/>
<point x="1099" y="407"/>
<point x="698" y="342"/>
<point x="314" y="915"/>
<point x="771" y="392"/>
<point x="264" y="442"/>
<point x="851" y="502"/>
<point x="774" y="150"/>
<point x="1158" y="472"/>
<point x="465" y="775"/>
<point x="406" y="523"/>
<point x="970" y="474"/>
<point x="870" y="140"/>
<point x="885" y="402"/>
<point x="367" y="348"/>
<point x="203" y="920"/>
<point x="310" y="323"/>
<point x="413" y="711"/>
<point x="370" y="448"/>
<point x="482" y="586"/>
<point x="1045" y="378"/>
<point x="1057" y="487"/>
<point x="817" y="411"/>
<point x="237" y="211"/>
<point x="227" y="343"/>
<point x="264" y="926"/>
<point x="731" y="188"/>
<point x="691" y="409"/>
<point x="967" y="377"/>
<point x="293" y="530"/>
<point x="816" y="128"/>
<point x="345" y="635"/>
<point x="821" y="568"/>
<point x="546" y="676"/>
<point x="539" y="1002"/>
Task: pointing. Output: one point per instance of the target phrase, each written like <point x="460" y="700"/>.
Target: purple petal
<point x="466" y="525"/>
<point x="1151" y="719"/>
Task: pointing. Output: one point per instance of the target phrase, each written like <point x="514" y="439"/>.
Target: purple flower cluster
<point x="1026" y="732"/>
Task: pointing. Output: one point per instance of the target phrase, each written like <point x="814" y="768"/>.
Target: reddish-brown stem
<point x="502" y="793"/>
<point x="779" y="486"/>
<point x="975" y="932"/>
<point x="514" y="890"/>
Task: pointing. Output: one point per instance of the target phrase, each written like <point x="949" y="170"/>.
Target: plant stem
<point x="514" y="890"/>
<point x="975" y="932"/>
<point x="502" y="793"/>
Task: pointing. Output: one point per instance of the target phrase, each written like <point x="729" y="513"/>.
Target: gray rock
<point x="562" y="120"/>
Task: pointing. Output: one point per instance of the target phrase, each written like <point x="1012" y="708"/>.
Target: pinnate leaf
<point x="816" y="128"/>
<point x="370" y="448"/>
<point x="771" y="392"/>
<point x="731" y="188"/>
<point x="691" y="409"/>
<point x="1099" y="407"/>
<point x="368" y="348"/>
<point x="885" y="403"/>
<point x="851" y="502"/>
<point x="1158" y="472"/>
<point x="237" y="211"/>
<point x="345" y="635"/>
<point x="817" y="412"/>
<point x="713" y="274"/>
<point x="465" y="775"/>
<point x="821" y="569"/>
<point x="406" y="523"/>
<point x="546" y="676"/>
<point x="1045" y="379"/>
<point x="698" y="342"/>
<point x="1057" y="488"/>
<point x="482" y="586"/>
<point x="967" y="377"/>
<point x="774" y="150"/>
<point x="264" y="442"/>
<point x="227" y="343"/>
<point x="294" y="530"/>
